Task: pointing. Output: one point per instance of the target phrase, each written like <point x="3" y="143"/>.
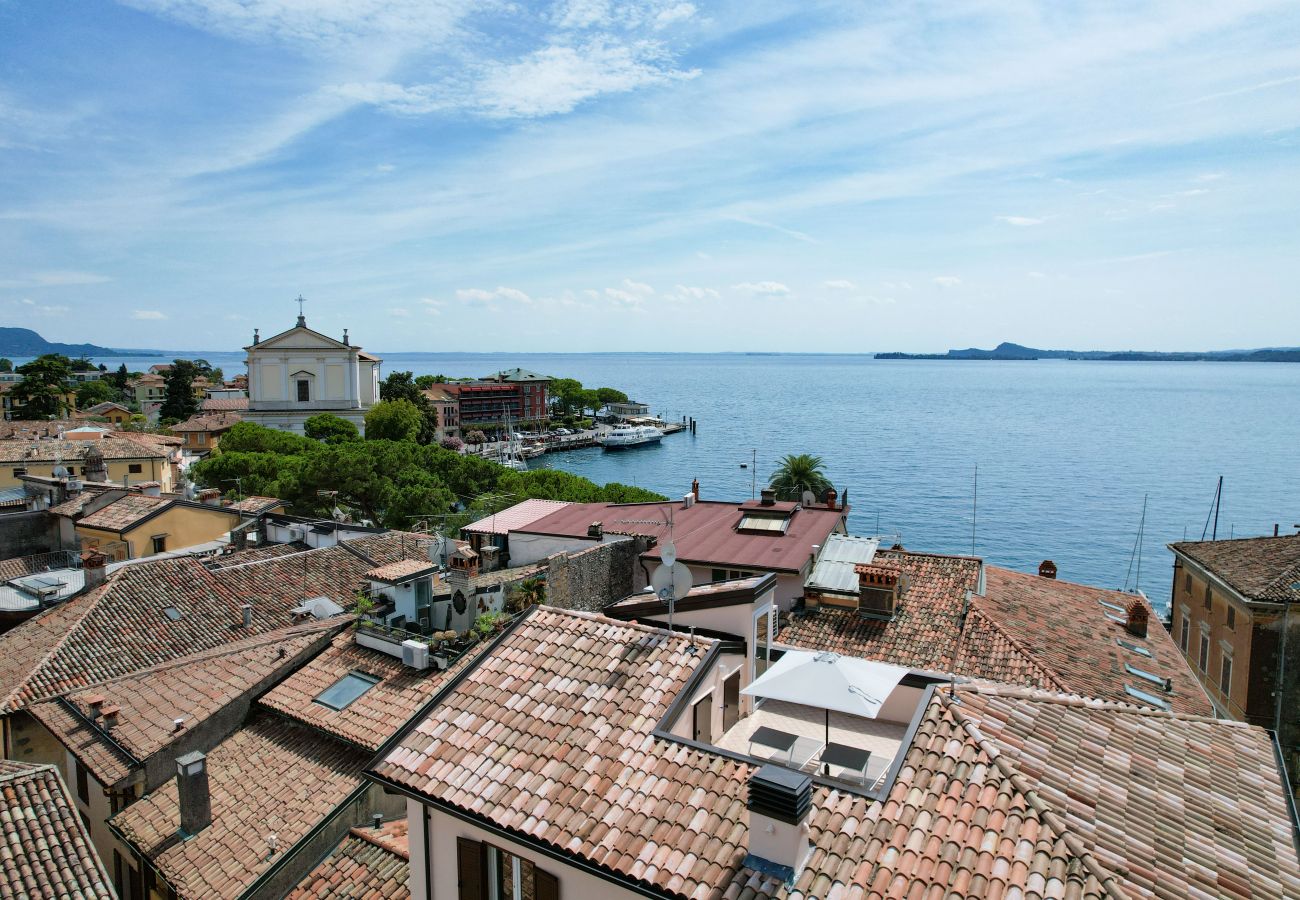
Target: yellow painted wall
<point x="184" y="527"/>
<point x="156" y="469"/>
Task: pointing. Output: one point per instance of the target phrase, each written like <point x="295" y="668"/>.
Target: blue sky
<point x="658" y="175"/>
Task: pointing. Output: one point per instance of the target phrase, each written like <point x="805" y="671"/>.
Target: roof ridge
<point x="1072" y="698"/>
<point x="622" y="623"/>
<point x="364" y="834"/>
<point x="6" y="701"/>
<point x="1046" y="812"/>
<point x="29" y="770"/>
<point x="1013" y="641"/>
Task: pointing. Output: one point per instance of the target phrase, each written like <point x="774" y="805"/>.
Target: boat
<point x="509" y="452"/>
<point x="625" y="437"/>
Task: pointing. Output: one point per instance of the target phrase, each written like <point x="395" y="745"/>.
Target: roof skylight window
<point x="1132" y="647"/>
<point x="342" y="693"/>
<point x="773" y="524"/>
<point x="1155" y="679"/>
<point x="1112" y="606"/>
<point x="172" y="613"/>
<point x="1148" y="699"/>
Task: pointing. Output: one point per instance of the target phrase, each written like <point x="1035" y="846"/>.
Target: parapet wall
<point x="589" y="579"/>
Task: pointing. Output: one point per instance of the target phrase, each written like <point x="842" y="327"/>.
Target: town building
<point x="629" y="410"/>
<point x="127" y="525"/>
<point x="12" y="406"/>
<point x="47" y="852"/>
<point x="301" y="373"/>
<point x="122" y="457"/>
<point x="562" y="763"/>
<point x="517" y="394"/>
<point x="202" y="433"/>
<point x="443" y="401"/>
<point x="108" y="411"/>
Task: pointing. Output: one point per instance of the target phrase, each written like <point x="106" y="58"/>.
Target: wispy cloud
<point x="1020" y="221"/>
<point x="947" y="281"/>
<point x="53" y="279"/>
<point x="762" y="288"/>
<point x="839" y="284"/>
<point x="148" y="315"/>
<point x="501" y="293"/>
<point x="399" y="312"/>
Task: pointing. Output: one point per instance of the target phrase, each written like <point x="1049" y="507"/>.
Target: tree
<point x="401" y="386"/>
<point x="6" y="364"/>
<point x="119" y="379"/>
<point x="90" y="393"/>
<point x="393" y="420"/>
<point x="567" y="393"/>
<point x="330" y="429"/>
<point x="799" y="472"/>
<point x="452" y="443"/>
<point x="476" y="437"/>
<point x="589" y="399"/>
<point x="42" y="394"/>
<point x="180" y="403"/>
<point x="610" y="395"/>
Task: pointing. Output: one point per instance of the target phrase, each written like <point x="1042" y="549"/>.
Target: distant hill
<point x="25" y="342"/>
<point x="1007" y="350"/>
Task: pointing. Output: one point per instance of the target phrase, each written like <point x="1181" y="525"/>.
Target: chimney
<point x="256" y="337"/>
<point x="378" y="819"/>
<point x="93" y="568"/>
<point x="247" y="610"/>
<point x="346" y="342"/>
<point x="1137" y="617"/>
<point x="695" y="489"/>
<point x="1047" y="569"/>
<point x="831" y="497"/>
<point x="95" y="702"/>
<point x="767" y="497"/>
<point x="596" y="530"/>
<point x="210" y="496"/>
<point x="109" y="712"/>
<point x="192" y="793"/>
<point x="779" y="802"/>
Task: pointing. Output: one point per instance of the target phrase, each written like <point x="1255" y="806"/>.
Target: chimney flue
<point x="1047" y="569"/>
<point x="192" y="793"/>
<point x="1137" y="618"/>
<point x="767" y="497"/>
<point x="779" y="803"/>
<point x="109" y="712"/>
<point x="247" y="610"/>
<point x="831" y="497"/>
<point x="93" y="568"/>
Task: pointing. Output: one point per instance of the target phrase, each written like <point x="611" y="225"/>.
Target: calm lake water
<point x="1066" y="450"/>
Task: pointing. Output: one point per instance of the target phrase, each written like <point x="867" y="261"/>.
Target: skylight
<point x="1149" y="699"/>
<point x="751" y="522"/>
<point x="1148" y="676"/>
<point x="171" y="613"/>
<point x="342" y="693"/>
<point x="1113" y="606"/>
<point x="1129" y="645"/>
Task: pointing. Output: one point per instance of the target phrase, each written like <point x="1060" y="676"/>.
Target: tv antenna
<point x="1137" y="549"/>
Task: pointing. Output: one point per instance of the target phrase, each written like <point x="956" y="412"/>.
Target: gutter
<point x="1286" y="789"/>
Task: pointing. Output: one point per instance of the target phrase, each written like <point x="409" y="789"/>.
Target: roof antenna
<point x="1214" y="511"/>
<point x="956" y="653"/>
<point x="974" y="508"/>
<point x="1137" y="549"/>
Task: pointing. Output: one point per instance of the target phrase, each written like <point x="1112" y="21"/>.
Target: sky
<point x="656" y="175"/>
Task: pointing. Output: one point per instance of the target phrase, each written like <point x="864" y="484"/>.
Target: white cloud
<point x="28" y="301"/>
<point x="1210" y="176"/>
<point x="761" y="288"/>
<point x="839" y="284"/>
<point x="684" y="292"/>
<point x="671" y="15"/>
<point x="148" y="315"/>
<point x="947" y="281"/>
<point x="638" y="287"/>
<point x="1036" y="274"/>
<point x="54" y="311"/>
<point x="432" y="305"/>
<point x="399" y="312"/>
<point x="501" y="293"/>
<point x="385" y="168"/>
<point x="53" y="279"/>
<point x="1020" y="221"/>
<point x="627" y="298"/>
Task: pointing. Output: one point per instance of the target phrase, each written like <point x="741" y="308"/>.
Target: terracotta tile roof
<point x="116" y="447"/>
<point x="214" y="422"/>
<point x="193" y="688"/>
<point x="74" y="506"/>
<point x="515" y="517"/>
<point x="366" y="865"/>
<point x="20" y="566"/>
<point x="392" y="546"/>
<point x="44" y="849"/>
<point x="377" y="714"/>
<point x="255" y="554"/>
<point x="148" y="438"/>
<point x="33" y="429"/>
<point x="100" y="409"/>
<point x="1006" y="792"/>
<point x="121" y="515"/>
<point x="1262" y="568"/>
<point x="705" y="533"/>
<point x="922" y="634"/>
<point x="224" y="404"/>
<point x="257" y="504"/>
<point x="121" y="626"/>
<point x="270" y="777"/>
<point x="402" y="569"/>
<point x="1063" y="628"/>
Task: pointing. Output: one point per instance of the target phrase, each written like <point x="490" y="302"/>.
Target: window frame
<point x="303" y="387"/>
<point x="355" y="675"/>
<point x="1225" y="674"/>
<point x="135" y="468"/>
<point x="83" y="782"/>
<point x="1185" y="636"/>
<point x="1203" y="657"/>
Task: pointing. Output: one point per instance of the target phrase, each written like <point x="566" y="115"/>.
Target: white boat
<point x="625" y="437"/>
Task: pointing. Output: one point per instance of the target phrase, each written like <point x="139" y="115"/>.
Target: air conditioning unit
<point x="415" y="654"/>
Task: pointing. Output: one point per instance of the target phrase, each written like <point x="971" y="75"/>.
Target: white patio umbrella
<point x="845" y="684"/>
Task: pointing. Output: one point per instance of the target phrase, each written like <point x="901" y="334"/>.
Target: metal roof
<point x="834" y="568"/>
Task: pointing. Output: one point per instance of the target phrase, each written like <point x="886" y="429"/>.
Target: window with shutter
<point x="469" y="869"/>
<point x="545" y="885"/>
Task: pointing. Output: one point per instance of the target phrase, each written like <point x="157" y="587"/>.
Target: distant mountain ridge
<point x="25" y="342"/>
<point x="1009" y="351"/>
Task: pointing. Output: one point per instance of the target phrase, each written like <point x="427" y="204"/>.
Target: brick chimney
<point x="1047" y="569"/>
<point x="109" y="711"/>
<point x="93" y="568"/>
<point x="831" y="497"/>
<point x="1137" y="618"/>
<point x="779" y="803"/>
<point x="879" y="590"/>
<point x="193" y="796"/>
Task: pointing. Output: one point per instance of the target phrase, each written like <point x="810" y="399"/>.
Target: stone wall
<point x="591" y="579"/>
<point x="28" y="533"/>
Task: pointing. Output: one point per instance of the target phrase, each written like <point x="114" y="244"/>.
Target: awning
<point x="828" y="681"/>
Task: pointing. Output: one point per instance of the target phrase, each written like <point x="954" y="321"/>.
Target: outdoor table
<point x="781" y="741"/>
<point x="851" y="758"/>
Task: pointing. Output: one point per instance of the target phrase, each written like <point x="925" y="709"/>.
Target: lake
<point x="1066" y="450"/>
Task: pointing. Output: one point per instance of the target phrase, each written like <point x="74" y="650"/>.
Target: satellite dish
<point x="672" y="582"/>
<point x="668" y="553"/>
<point x="809" y="498"/>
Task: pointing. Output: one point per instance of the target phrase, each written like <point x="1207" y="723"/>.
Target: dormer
<point x="880" y="590"/>
<point x="767" y="515"/>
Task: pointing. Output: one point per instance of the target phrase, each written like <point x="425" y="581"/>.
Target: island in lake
<point x="1007" y="350"/>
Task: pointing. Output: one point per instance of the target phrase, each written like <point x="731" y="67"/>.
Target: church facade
<point x="301" y="373"/>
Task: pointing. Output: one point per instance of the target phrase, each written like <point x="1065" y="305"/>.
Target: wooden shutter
<point x="545" y="885"/>
<point x="469" y="869"/>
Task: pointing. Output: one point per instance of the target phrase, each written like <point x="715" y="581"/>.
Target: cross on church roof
<point x="302" y="320"/>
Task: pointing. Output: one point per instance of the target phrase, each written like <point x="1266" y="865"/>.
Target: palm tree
<point x="799" y="472"/>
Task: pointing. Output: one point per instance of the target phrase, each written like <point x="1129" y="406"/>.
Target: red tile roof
<point x="1264" y="568"/>
<point x="515" y="517"/>
<point x="1001" y="792"/>
<point x="255" y="504"/>
<point x="224" y="404"/>
<point x="270" y="777"/>
<point x="401" y="570"/>
<point x="377" y="714"/>
<point x="124" y="514"/>
<point x="69" y="452"/>
<point x="44" y="848"/>
<point x="192" y="688"/>
<point x="366" y="865"/>
<point x="211" y="422"/>
<point x="704" y="534"/>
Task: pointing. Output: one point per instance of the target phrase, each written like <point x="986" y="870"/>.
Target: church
<point x="302" y="373"/>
